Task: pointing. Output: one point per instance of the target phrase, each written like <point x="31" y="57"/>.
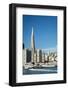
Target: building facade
<point x="26" y="56"/>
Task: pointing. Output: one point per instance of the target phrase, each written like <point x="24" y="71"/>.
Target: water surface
<point x="45" y="70"/>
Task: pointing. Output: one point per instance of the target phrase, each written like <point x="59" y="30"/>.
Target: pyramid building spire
<point x="32" y="41"/>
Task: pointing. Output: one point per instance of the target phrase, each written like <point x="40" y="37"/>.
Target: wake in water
<point x="48" y="70"/>
<point x="40" y="70"/>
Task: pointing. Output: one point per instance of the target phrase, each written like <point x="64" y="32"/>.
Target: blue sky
<point x="45" y="31"/>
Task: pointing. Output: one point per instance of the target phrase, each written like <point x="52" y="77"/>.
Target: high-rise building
<point x="43" y="57"/>
<point x="35" y="57"/>
<point x="32" y="41"/>
<point x="26" y="56"/>
<point x="32" y="45"/>
<point x="39" y="55"/>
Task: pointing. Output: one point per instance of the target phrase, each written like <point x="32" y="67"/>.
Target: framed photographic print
<point x="37" y="44"/>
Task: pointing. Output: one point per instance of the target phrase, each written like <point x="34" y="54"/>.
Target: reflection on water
<point x="45" y="70"/>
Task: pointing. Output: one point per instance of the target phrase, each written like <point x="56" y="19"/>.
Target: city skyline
<point x="44" y="27"/>
<point x="36" y="58"/>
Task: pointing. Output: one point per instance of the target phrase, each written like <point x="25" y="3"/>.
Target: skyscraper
<point x="32" y="41"/>
<point x="32" y="45"/>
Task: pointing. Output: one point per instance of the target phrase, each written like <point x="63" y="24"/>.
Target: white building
<point x="39" y="55"/>
<point x="43" y="57"/>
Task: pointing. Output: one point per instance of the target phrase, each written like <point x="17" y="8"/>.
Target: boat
<point x="48" y="65"/>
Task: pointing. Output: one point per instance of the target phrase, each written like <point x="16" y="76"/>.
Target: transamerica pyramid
<point x="32" y="41"/>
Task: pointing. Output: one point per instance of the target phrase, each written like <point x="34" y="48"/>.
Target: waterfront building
<point x="39" y="55"/>
<point x="35" y="57"/>
<point x="46" y="58"/>
<point x="43" y="57"/>
<point x="26" y="56"/>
